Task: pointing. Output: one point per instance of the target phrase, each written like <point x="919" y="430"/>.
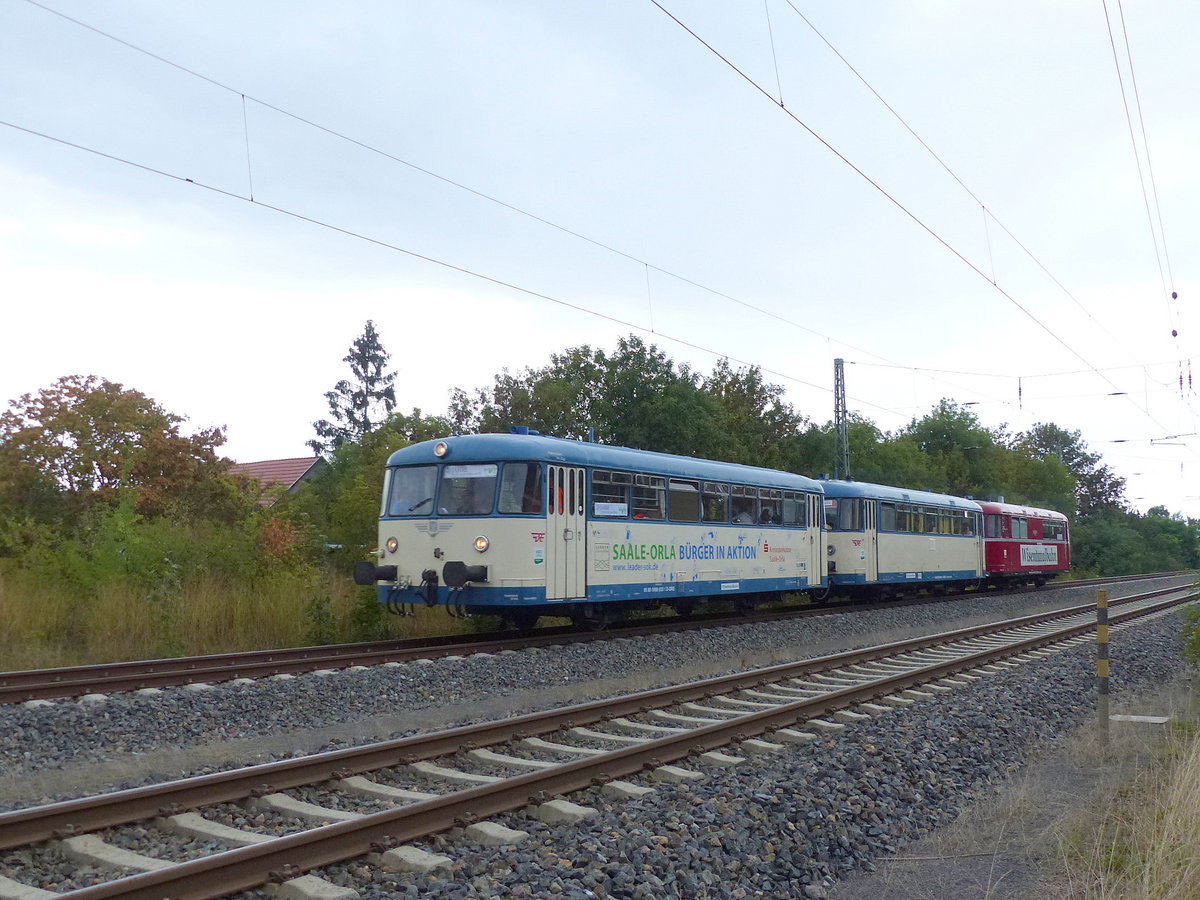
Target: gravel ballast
<point x="303" y="714"/>
<point x="789" y="824"/>
<point x="783" y="824"/>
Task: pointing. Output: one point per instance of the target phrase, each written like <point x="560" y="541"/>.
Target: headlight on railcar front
<point x="392" y="545"/>
<point x="482" y="543"/>
<point x="830" y="549"/>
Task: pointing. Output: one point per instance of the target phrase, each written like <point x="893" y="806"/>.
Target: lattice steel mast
<point x="841" y="429"/>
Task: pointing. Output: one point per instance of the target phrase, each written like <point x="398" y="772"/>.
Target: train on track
<point x="523" y="525"/>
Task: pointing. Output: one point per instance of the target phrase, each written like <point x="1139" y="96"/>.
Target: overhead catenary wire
<point x="987" y="212"/>
<point x="542" y="220"/>
<point x="482" y="195"/>
<point x="499" y="282"/>
<point x="1137" y="155"/>
<point x="900" y="206"/>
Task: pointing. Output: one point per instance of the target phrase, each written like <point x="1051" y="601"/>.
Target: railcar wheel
<point x="746" y="605"/>
<point x="592" y="617"/>
<point x="523" y="620"/>
<point x="819" y="595"/>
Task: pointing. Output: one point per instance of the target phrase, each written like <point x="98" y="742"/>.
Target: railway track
<point x="75" y="681"/>
<point x="602" y="741"/>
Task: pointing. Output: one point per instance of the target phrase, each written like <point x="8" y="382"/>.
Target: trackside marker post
<point x="1102" y="664"/>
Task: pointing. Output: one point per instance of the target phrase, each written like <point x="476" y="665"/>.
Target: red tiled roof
<point x="287" y="472"/>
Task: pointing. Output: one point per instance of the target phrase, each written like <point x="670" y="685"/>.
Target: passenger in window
<point x="768" y="517"/>
<point x="743" y="511"/>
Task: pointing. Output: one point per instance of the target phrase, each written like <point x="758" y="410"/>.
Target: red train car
<point x="1022" y="544"/>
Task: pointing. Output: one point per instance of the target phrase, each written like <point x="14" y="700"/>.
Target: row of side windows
<point x="618" y="495"/>
<point x="926" y="519"/>
<point x="1022" y="528"/>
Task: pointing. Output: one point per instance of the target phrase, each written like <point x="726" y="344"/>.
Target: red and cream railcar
<point x="1023" y="544"/>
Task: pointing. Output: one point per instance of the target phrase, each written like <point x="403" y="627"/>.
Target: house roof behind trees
<point x="286" y="472"/>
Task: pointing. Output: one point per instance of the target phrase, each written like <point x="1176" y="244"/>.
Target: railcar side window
<point x="610" y="494"/>
<point x="1020" y="527"/>
<point x="387" y="490"/>
<point x="992" y="525"/>
<point x="468" y="490"/>
<point x="684" y="501"/>
<point x="412" y="491"/>
<point x="649" y="497"/>
<point x="887" y="516"/>
<point x="743" y="504"/>
<point x="1054" y="531"/>
<point x="794" y="509"/>
<point x="521" y="489"/>
<point x="770" y="504"/>
<point x="716" y="502"/>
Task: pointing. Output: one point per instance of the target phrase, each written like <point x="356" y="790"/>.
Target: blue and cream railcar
<point x="525" y="525"/>
<point x="885" y="540"/>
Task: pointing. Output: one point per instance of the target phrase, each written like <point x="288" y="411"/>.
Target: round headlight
<point x="482" y="543"/>
<point x="830" y="550"/>
<point x="392" y="544"/>
<point x="441" y="448"/>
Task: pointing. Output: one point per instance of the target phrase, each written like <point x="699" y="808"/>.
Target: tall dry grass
<point x="1146" y="845"/>
<point x="44" y="626"/>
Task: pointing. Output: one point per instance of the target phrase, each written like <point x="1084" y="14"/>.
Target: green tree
<point x="960" y="449"/>
<point x="1097" y="487"/>
<point x="633" y="397"/>
<point x="759" y="424"/>
<point x="359" y="404"/>
<point x="85" y="441"/>
<point x="341" y="505"/>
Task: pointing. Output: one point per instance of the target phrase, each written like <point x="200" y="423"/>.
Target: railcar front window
<point x="411" y="491"/>
<point x="467" y="490"/>
<point x="521" y="489"/>
<point x="844" y="514"/>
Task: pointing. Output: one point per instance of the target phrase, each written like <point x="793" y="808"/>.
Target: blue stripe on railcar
<point x="483" y="595"/>
<point x="860" y="579"/>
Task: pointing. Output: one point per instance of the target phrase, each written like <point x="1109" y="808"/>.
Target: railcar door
<point x="816" y="539"/>
<point x="565" y="545"/>
<point x="870" y="545"/>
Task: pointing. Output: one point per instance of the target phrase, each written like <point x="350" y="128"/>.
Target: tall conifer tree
<point x="362" y="403"/>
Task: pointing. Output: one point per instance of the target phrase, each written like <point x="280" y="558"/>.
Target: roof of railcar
<point x="499" y="447"/>
<point x="993" y="507"/>
<point x="900" y="495"/>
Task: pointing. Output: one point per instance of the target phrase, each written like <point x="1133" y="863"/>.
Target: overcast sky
<point x="479" y="178"/>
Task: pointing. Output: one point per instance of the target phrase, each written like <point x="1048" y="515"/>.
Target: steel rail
<point x="291" y="855"/>
<point x="72" y="681"/>
<point x="20" y="827"/>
